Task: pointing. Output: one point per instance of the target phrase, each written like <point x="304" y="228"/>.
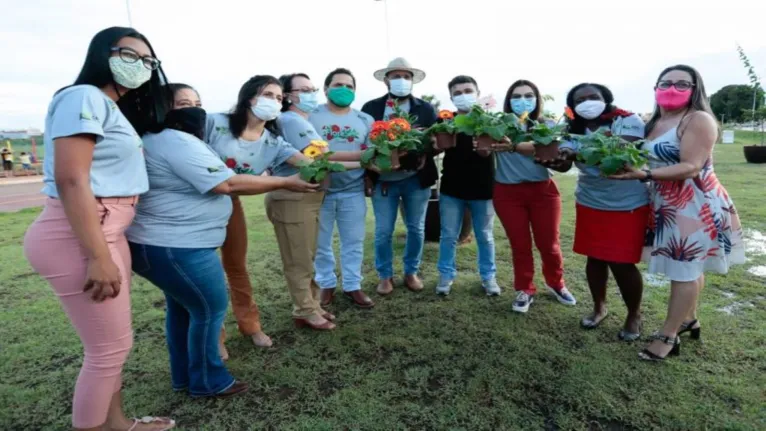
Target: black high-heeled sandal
<point x="694" y="333"/>
<point x="646" y="355"/>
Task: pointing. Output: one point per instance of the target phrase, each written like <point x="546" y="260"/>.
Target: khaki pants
<point x="295" y="217"/>
<point x="234" y="257"/>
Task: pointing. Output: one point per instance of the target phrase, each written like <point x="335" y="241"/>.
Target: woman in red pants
<point x="528" y="203"/>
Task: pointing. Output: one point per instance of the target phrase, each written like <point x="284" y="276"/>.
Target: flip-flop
<point x="152" y="419"/>
<point x="588" y="323"/>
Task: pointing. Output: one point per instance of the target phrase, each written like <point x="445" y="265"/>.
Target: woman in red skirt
<point x="612" y="215"/>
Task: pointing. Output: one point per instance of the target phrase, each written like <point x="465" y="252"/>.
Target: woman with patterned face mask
<point x="527" y="199"/>
<point x="612" y="215"/>
<point x="179" y="225"/>
<point x="94" y="170"/>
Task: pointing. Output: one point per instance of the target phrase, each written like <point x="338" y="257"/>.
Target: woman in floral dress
<point x="696" y="227"/>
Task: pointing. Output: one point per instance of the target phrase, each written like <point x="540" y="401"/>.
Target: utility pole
<point x="130" y="19"/>
<point x="388" y="31"/>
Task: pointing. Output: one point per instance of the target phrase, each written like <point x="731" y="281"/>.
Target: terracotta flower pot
<point x="395" y="164"/>
<point x="755" y="153"/>
<point x="324" y="184"/>
<point x="445" y="141"/>
<point x="547" y="152"/>
<point x="484" y="142"/>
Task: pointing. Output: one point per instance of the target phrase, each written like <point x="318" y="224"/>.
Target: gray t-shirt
<point x="298" y="132"/>
<point x="246" y="157"/>
<point x="347" y="132"/>
<point x="515" y="168"/>
<point x="179" y="210"/>
<point x="396" y="175"/>
<point x="598" y="192"/>
<point x="118" y="167"/>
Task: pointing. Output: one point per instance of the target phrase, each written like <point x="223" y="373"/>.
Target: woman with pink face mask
<point x="696" y="227"/>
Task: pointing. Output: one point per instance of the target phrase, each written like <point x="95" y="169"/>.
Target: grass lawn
<point x="417" y="361"/>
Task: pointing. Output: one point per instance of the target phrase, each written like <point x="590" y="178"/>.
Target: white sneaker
<point x="522" y="302"/>
<point x="491" y="287"/>
<point x="444" y="286"/>
<point x="563" y="295"/>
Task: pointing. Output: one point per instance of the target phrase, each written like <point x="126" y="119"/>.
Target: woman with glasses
<point x="527" y="200"/>
<point x="179" y="225"/>
<point x="612" y="215"/>
<point x="296" y="219"/>
<point x="94" y="170"/>
<point x="696" y="226"/>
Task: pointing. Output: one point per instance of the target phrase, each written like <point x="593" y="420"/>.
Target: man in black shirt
<point x="466" y="184"/>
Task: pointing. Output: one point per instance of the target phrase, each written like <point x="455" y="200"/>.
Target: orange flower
<point x="380" y="125"/>
<point x="524" y="117"/>
<point x="569" y="114"/>
<point x="400" y="124"/>
<point x="446" y="115"/>
<point x="391" y="136"/>
<point x="375" y="133"/>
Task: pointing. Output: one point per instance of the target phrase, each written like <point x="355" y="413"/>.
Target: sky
<point x="216" y="46"/>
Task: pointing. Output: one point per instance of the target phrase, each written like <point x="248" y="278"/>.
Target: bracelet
<point x="513" y="146"/>
<point x="648" y="173"/>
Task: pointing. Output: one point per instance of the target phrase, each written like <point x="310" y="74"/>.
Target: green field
<point x="417" y="361"/>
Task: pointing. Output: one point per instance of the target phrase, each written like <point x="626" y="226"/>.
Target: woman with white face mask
<point x="94" y="171"/>
<point x="612" y="215"/>
<point x="248" y="141"/>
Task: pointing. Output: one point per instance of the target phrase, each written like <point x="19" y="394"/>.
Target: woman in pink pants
<point x="93" y="173"/>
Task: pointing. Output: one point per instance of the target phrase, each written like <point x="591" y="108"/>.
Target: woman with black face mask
<point x="179" y="225"/>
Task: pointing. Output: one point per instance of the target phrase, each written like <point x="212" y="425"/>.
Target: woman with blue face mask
<point x="527" y="199"/>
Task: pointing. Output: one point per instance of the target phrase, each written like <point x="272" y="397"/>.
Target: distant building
<point x="14" y="134"/>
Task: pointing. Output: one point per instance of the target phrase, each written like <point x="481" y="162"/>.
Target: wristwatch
<point x="648" y="173"/>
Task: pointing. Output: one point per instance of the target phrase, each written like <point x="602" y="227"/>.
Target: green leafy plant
<point x="755" y="81"/>
<point x="319" y="168"/>
<point x="543" y="134"/>
<point x="479" y="122"/>
<point x="609" y="153"/>
<point x="389" y="139"/>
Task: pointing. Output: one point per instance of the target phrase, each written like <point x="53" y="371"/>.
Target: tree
<point x="755" y="80"/>
<point x="430" y="98"/>
<point x="734" y="103"/>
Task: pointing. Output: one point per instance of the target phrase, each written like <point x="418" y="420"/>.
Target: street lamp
<point x="388" y="33"/>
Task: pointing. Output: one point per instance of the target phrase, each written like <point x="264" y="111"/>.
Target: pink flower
<point x="363" y="147"/>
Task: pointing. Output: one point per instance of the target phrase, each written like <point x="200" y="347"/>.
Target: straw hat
<point x="400" y="63"/>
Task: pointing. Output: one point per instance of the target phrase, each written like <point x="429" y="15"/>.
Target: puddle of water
<point x="735" y="308"/>
<point x="759" y="271"/>
<point x="656" y="280"/>
<point x="729" y="295"/>
<point x="755" y="242"/>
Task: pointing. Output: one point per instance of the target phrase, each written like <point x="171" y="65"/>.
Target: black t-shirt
<point x="465" y="174"/>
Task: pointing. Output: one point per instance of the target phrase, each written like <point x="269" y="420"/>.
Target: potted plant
<point x="610" y="153"/>
<point x="390" y="140"/>
<point x="754" y="153"/>
<point x="444" y="131"/>
<point x="318" y="170"/>
<point x="487" y="128"/>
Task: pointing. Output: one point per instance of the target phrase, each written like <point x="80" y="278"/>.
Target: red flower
<point x="231" y="163"/>
<point x="616" y="113"/>
<point x="350" y="139"/>
<point x="335" y="128"/>
<point x="390" y="103"/>
<point x="246" y="165"/>
<point x="569" y="113"/>
<point x="363" y="147"/>
<point x="329" y="136"/>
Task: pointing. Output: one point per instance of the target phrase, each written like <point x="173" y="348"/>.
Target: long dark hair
<point x="145" y="106"/>
<point x="534" y="115"/>
<point x="698" y="102"/>
<point x="251" y="88"/>
<point x="287" y="87"/>
<point x="578" y="124"/>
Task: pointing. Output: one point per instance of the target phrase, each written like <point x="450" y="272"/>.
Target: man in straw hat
<point x="410" y="185"/>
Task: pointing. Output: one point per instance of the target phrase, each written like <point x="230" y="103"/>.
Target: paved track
<point x="17" y="196"/>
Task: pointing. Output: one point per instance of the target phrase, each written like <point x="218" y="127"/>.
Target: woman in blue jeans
<point x="179" y="224"/>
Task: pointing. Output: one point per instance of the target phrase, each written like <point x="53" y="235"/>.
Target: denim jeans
<point x="348" y="210"/>
<point x="451" y="211"/>
<point x="386" y="208"/>
<point x="195" y="290"/>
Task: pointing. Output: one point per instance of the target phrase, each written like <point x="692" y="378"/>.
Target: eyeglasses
<point x="130" y="56"/>
<point x="680" y="85"/>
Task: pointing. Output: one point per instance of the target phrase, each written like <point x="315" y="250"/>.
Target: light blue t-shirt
<point x="179" y="210"/>
<point x="246" y="157"/>
<point x="598" y="192"/>
<point x="396" y="175"/>
<point x="347" y="132"/>
<point x="296" y="131"/>
<point x="118" y="167"/>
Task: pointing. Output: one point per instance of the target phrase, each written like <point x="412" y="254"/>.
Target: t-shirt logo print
<point x="334" y="131"/>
